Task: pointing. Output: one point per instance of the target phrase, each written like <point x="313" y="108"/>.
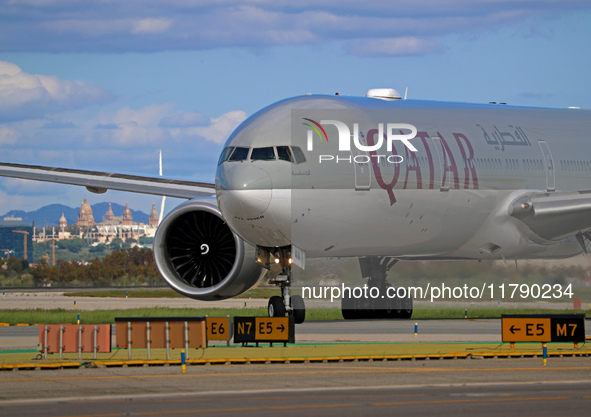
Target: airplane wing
<point x="100" y="182"/>
<point x="555" y="215"/>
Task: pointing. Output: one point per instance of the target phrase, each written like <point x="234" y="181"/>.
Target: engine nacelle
<point x="200" y="256"/>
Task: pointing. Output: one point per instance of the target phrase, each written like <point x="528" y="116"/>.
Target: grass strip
<point x="63" y="316"/>
<point x="258" y="293"/>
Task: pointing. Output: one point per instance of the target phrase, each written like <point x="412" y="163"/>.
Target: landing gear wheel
<point x="298" y="309"/>
<point x="348" y="308"/>
<point x="407" y="306"/>
<point x="276" y="307"/>
<point x="401" y="308"/>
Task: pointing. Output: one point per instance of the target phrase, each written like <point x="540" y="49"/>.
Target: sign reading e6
<point x="218" y="328"/>
<point x="543" y="328"/>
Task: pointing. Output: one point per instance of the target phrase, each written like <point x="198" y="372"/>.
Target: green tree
<point x="144" y="240"/>
<point x="116" y="243"/>
<point x="73" y="245"/>
<point x="97" y="248"/>
<point x="17" y="265"/>
<point x="41" y="272"/>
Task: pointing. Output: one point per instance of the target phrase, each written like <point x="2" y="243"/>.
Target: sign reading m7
<point x="543" y="328"/>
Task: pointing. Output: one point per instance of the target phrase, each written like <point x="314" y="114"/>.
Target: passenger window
<point x="225" y="154"/>
<point x="263" y="154"/>
<point x="298" y="155"/>
<point x="240" y="154"/>
<point x="284" y="154"/>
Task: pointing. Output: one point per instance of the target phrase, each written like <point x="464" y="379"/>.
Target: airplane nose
<point x="243" y="190"/>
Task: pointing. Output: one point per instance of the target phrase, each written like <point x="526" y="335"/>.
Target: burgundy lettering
<point x="412" y="164"/>
<point x="423" y="136"/>
<point x="469" y="167"/>
<point x="449" y="164"/>
<point x="376" y="168"/>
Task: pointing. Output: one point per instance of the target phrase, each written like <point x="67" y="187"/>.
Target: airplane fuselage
<point x="297" y="182"/>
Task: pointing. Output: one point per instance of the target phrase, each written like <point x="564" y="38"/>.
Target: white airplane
<point x="378" y="178"/>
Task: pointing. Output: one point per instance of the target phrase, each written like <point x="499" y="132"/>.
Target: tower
<point x="110" y="216"/>
<point x="153" y="216"/>
<point x="127" y="219"/>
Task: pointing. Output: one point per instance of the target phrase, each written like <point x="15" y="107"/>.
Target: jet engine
<point x="200" y="256"/>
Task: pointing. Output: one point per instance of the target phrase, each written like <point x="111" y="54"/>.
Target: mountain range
<point x="52" y="213"/>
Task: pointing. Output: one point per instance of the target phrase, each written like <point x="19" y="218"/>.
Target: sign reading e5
<point x="543" y="328"/>
<point x="264" y="329"/>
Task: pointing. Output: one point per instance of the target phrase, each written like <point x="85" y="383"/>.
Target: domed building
<point x="111" y="225"/>
<point x="85" y="216"/>
<point x="63" y="222"/>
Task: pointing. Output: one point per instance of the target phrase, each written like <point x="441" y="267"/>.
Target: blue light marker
<point x="545" y="355"/>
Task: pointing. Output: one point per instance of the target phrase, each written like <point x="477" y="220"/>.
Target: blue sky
<point x="103" y="85"/>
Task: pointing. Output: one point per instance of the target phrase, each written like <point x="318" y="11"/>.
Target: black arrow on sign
<point x="513" y="329"/>
<point x="282" y="328"/>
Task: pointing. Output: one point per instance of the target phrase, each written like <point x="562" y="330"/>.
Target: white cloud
<point x="155" y="125"/>
<point x="185" y="119"/>
<point x="8" y="136"/>
<point x="28" y="96"/>
<point x="108" y="26"/>
<point x="219" y="129"/>
<point x="151" y="26"/>
<point x="393" y="46"/>
<point x="130" y="127"/>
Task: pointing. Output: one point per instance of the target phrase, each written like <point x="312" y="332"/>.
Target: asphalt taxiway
<point x="353" y="382"/>
<point x="443" y="388"/>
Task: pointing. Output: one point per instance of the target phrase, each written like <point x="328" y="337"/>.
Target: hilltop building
<point x="85" y="216"/>
<point x="111" y="226"/>
<point x="154" y="218"/>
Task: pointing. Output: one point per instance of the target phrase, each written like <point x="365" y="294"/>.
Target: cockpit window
<point x="268" y="153"/>
<point x="225" y="154"/>
<point x="263" y="154"/>
<point x="240" y="154"/>
<point x="298" y="154"/>
<point x="284" y="154"/>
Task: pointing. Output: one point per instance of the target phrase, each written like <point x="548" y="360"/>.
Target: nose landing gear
<point x="278" y="306"/>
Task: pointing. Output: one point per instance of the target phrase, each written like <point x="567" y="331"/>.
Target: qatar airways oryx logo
<point x="393" y="132"/>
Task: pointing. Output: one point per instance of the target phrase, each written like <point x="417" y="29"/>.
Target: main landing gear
<point x="380" y="300"/>
<point x="278" y="306"/>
